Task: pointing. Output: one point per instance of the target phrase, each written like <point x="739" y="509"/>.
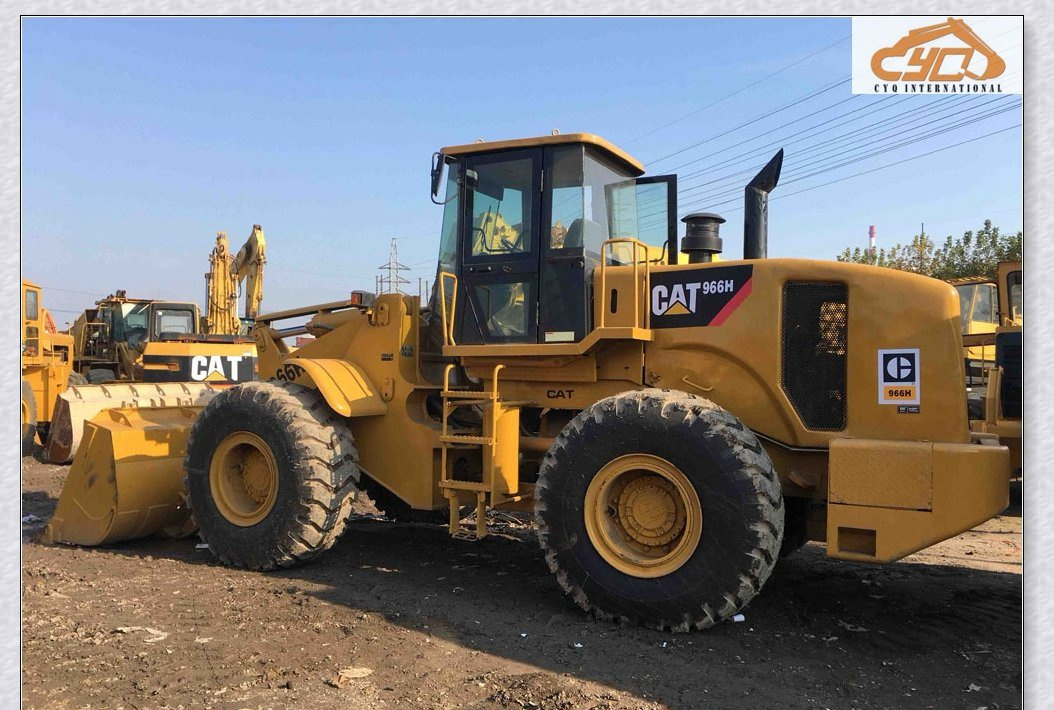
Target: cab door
<point x="499" y="266"/>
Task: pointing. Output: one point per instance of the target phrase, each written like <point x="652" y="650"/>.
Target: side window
<point x="1013" y="284"/>
<point x="642" y="209"/>
<point x="500" y="200"/>
<point x="653" y="209"/>
<point x="572" y="200"/>
<point x="984" y="310"/>
<point x="32" y="304"/>
<point x="965" y="304"/>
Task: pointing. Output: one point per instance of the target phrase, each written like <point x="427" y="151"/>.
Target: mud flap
<point x="127" y="478"/>
<point x="80" y="403"/>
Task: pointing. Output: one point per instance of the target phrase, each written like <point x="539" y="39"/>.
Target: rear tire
<point x="29" y="418"/>
<point x="271" y="475"/>
<point x="667" y="574"/>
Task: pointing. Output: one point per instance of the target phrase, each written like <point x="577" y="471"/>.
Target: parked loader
<point x="995" y="402"/>
<point x="147" y="353"/>
<point x="47" y="366"/>
<point x="672" y="426"/>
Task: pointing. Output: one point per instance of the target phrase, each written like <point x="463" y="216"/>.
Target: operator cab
<point x="523" y="228"/>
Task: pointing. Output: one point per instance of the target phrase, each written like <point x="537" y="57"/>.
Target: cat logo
<point x="898" y="377"/>
<point x="695" y="297"/>
<point x="215" y="368"/>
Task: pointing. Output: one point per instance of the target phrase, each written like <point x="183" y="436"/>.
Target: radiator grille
<point x="814" y="352"/>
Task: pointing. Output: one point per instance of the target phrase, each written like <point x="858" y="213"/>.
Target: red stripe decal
<point x="733" y="304"/>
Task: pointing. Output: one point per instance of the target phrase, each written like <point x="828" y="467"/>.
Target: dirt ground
<point x="423" y="621"/>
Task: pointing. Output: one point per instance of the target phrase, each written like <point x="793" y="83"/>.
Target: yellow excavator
<point x="226" y="274"/>
<point x="674" y="424"/>
<point x="145" y="353"/>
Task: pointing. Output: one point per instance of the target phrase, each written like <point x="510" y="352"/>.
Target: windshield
<point x="168" y="320"/>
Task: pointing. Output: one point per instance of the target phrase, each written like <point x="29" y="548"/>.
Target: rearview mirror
<point x="438" y="163"/>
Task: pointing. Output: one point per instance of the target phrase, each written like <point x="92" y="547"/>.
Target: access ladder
<point x="499" y="444"/>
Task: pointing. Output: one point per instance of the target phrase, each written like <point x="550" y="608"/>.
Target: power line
<point x="754" y="120"/>
<point x="708" y="202"/>
<point x="783" y="142"/>
<point x="738" y="91"/>
<point x="883" y="167"/>
<point x="868" y="142"/>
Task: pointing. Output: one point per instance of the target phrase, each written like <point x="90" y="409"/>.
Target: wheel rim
<point x="243" y="478"/>
<point x="643" y="515"/>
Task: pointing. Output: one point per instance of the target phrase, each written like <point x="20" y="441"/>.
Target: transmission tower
<point x="390" y="280"/>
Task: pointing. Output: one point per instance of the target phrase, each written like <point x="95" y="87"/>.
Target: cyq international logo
<point x="937" y="55"/>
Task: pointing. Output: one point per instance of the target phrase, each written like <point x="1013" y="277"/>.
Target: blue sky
<point x="144" y="137"/>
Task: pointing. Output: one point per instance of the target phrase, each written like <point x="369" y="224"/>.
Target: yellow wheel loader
<point x="672" y="426"/>
<point x="995" y="402"/>
<point x="47" y="366"/>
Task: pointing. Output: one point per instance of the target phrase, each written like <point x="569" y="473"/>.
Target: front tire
<point x="660" y="508"/>
<point x="271" y="475"/>
<point x="29" y="418"/>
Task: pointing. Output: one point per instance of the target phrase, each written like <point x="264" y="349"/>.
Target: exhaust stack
<point x="756" y="209"/>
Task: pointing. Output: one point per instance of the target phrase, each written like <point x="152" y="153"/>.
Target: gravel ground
<point x="401" y="616"/>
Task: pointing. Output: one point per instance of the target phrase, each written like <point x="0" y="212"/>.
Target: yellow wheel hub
<point x="243" y="478"/>
<point x="643" y="515"/>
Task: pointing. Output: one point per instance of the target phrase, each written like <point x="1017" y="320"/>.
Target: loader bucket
<point x="127" y="478"/>
<point x="80" y="403"/>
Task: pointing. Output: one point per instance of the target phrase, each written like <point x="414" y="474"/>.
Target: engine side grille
<point x="815" y="344"/>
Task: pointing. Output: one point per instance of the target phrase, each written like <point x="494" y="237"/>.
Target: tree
<point x="973" y="254"/>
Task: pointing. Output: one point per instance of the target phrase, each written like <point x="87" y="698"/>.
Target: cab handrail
<point x="640" y="298"/>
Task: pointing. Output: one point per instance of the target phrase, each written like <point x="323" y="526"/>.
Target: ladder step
<point x="465" y="439"/>
<point x="467" y="402"/>
<point x="461" y="394"/>
<point x="474" y="486"/>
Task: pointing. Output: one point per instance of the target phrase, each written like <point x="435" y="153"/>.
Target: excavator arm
<point x="248" y="266"/>
<point x="226" y="273"/>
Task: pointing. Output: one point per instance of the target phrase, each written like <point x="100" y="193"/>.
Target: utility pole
<point x="390" y="280"/>
<point x="871" y="242"/>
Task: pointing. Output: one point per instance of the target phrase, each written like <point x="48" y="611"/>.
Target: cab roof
<point x="613" y="151"/>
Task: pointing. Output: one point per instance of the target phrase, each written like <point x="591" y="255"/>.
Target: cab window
<point x="1013" y="285"/>
<point x="500" y="198"/>
<point x="173" y="321"/>
<point x="985" y="308"/>
<point x="32" y="305"/>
